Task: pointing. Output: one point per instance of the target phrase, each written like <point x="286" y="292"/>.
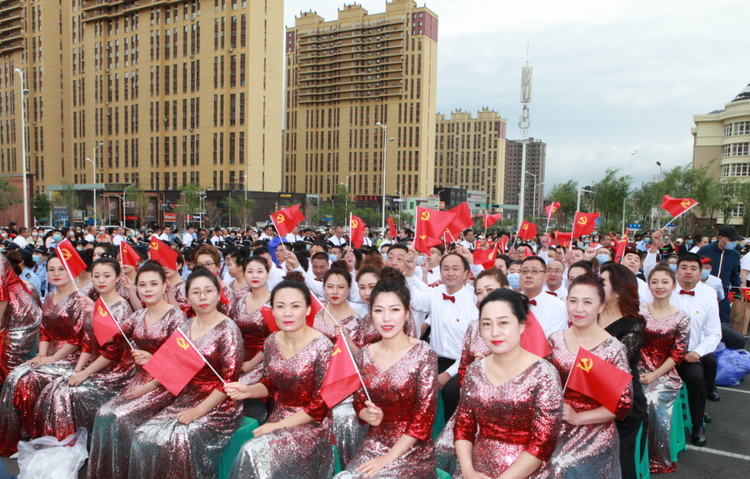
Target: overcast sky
<point x="610" y="76"/>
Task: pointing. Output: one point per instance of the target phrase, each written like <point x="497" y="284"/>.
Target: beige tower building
<point x="346" y="76"/>
<point x="470" y="152"/>
<point x="721" y="139"/>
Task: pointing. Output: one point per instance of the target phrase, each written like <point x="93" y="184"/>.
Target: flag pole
<point x="202" y="357"/>
<point x="575" y="361"/>
<point x="680" y="215"/>
<point x="355" y="365"/>
<point x="350" y="230"/>
<point x="275" y="227"/>
<point x="548" y="218"/>
<point x="65" y="265"/>
<point x="118" y="324"/>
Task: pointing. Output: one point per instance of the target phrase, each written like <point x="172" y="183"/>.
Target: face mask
<point x="586" y="243"/>
<point x="34" y="234"/>
<point x="532" y="243"/>
<point x="647" y="240"/>
<point x="602" y="258"/>
<point x="673" y="267"/>
<point x="690" y="241"/>
<point x="705" y="274"/>
<point x="56" y="237"/>
<point x="79" y="248"/>
<point x="385" y="255"/>
<point x="37" y="259"/>
<point x="420" y="260"/>
<point x="4" y="235"/>
<point x="731" y="245"/>
<point x="514" y="279"/>
<point x="333" y="257"/>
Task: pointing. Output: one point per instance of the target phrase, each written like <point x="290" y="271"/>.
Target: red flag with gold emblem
<point x="584" y="224"/>
<point x="432" y="223"/>
<point x="533" y="338"/>
<point x="677" y="206"/>
<point x="461" y="219"/>
<point x="287" y="219"/>
<point x="424" y="243"/>
<point x="105" y="325"/>
<point x="551" y="209"/>
<point x="342" y="377"/>
<point x="745" y="293"/>
<point x="356" y="231"/>
<point x="563" y="239"/>
<point x="527" y="230"/>
<point x="490" y="220"/>
<point x="175" y="363"/>
<point x="128" y="254"/>
<point x="70" y="258"/>
<point x="486" y="257"/>
<point x="598" y="379"/>
<point x="620" y="245"/>
<point x="162" y="253"/>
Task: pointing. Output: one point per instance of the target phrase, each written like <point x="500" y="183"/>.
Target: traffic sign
<point x="598" y="221"/>
<point x="635" y="226"/>
<point x="669" y="225"/>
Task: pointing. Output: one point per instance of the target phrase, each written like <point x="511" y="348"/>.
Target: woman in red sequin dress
<point x="192" y="445"/>
<point x="239" y="288"/>
<point x="588" y="445"/>
<point x="60" y="340"/>
<point x="209" y="257"/>
<point x="143" y="397"/>
<point x="73" y="400"/>
<point x="20" y="320"/>
<point x="297" y="440"/>
<point x="400" y="374"/>
<point x="511" y="404"/>
<point x="665" y="343"/>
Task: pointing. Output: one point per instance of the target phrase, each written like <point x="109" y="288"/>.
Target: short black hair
<point x="519" y="303"/>
<point x="690" y="258"/>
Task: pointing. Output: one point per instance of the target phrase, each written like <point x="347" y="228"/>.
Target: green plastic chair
<point x="686" y="406"/>
<point x="443" y="475"/>
<point x="677" y="436"/>
<point x="239" y="438"/>
<point x="439" y="423"/>
<point x="336" y="461"/>
<point x="641" y="457"/>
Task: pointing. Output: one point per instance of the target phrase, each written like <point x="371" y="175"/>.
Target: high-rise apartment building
<point x="347" y="76"/>
<point x="536" y="158"/>
<point x="174" y="91"/>
<point x="470" y="152"/>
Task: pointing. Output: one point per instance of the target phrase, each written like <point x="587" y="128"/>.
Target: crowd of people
<point x="429" y="332"/>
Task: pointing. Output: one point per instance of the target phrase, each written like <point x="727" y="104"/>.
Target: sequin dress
<point x="20" y="321"/>
<point x="591" y="450"/>
<point x="346" y="426"/>
<point x="304" y="451"/>
<point x="165" y="448"/>
<point x="62" y="324"/>
<point x="182" y="300"/>
<point x="254" y="333"/>
<point x="365" y="332"/>
<point x="237" y="296"/>
<point x="119" y="417"/>
<point x="662" y="339"/>
<point x="407" y="394"/>
<point x="503" y="422"/>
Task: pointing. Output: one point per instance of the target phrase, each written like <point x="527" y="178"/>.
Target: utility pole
<point x="523" y="123"/>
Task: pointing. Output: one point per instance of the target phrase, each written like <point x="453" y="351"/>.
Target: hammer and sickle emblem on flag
<point x="124" y="249"/>
<point x="182" y="343"/>
<point x="66" y="254"/>
<point x="423" y="237"/>
<point x="685" y="203"/>
<point x="102" y="312"/>
<point x="489" y="256"/>
<point x="355" y="224"/>
<point x="583" y="220"/>
<point x="525" y="227"/>
<point x="155" y="245"/>
<point x="586" y="364"/>
<point x="338" y="350"/>
<point x="280" y="218"/>
<point x="425" y="216"/>
<point x="554" y="208"/>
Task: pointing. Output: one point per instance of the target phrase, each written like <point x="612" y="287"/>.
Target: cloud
<point x="609" y="77"/>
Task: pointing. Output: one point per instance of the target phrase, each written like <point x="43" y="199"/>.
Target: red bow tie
<point x="319" y="280"/>
<point x="532" y="302"/>
<point x="452" y="299"/>
<point x="429" y="271"/>
<point x="691" y="293"/>
<point x="551" y="293"/>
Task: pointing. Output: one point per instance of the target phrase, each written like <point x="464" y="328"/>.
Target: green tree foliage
<point x="567" y="195"/>
<point x="138" y="202"/>
<point x="190" y="203"/>
<point x="240" y="209"/>
<point x="42" y="207"/>
<point x="67" y="198"/>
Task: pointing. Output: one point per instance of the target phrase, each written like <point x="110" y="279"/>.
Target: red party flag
<point x="551" y="209"/>
<point x="598" y="379"/>
<point x="175" y="363"/>
<point x="584" y="224"/>
<point x="745" y="293"/>
<point x="128" y="254"/>
<point x="677" y="206"/>
<point x="533" y="338"/>
<point x="424" y="243"/>
<point x="105" y="325"/>
<point x="391" y="227"/>
<point x="486" y="257"/>
<point x="563" y="239"/>
<point x="461" y="220"/>
<point x="503" y="244"/>
<point x="315" y="306"/>
<point x="162" y="253"/>
<point x="70" y="258"/>
<point x="287" y="219"/>
<point x="620" y="245"/>
<point x="269" y="318"/>
<point x="490" y="220"/>
<point x="527" y="230"/>
<point x="432" y="223"/>
<point x="342" y="377"/>
<point x="356" y="231"/>
<point x="527" y="252"/>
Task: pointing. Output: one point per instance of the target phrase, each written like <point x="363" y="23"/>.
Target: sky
<point x="610" y="77"/>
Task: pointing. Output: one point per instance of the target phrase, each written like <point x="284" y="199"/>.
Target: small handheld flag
<point x="162" y="253"/>
<point x="267" y="313"/>
<point x="342" y="377"/>
<point x="490" y="220"/>
<point x="677" y="206"/>
<point x="486" y="257"/>
<point x="356" y="231"/>
<point x="598" y="379"/>
<point x="128" y="255"/>
<point x="70" y="258"/>
<point x="584" y="224"/>
<point x="391" y="227"/>
<point x="533" y="338"/>
<point x="527" y="230"/>
<point x="287" y="219"/>
<point x="105" y="325"/>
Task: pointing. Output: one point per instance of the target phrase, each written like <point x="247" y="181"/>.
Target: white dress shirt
<point x="466" y="244"/>
<point x="293" y="238"/>
<point x="703" y="309"/>
<point x="275" y="276"/>
<point x="367" y="242"/>
<point x="448" y="320"/>
<point x="715" y="283"/>
<point x="561" y="293"/>
<point x="644" y="293"/>
<point x="20" y="241"/>
<point x="434" y="277"/>
<point x="187" y="239"/>
<point x="117" y="239"/>
<point x="336" y="241"/>
<point x="551" y="313"/>
<point x="165" y="237"/>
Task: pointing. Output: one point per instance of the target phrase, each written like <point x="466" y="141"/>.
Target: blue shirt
<point x="29" y="275"/>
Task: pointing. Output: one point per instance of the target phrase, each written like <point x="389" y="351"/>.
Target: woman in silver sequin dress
<point x="143" y="397"/>
<point x="60" y="340"/>
<point x="73" y="400"/>
<point x="400" y="374"/>
<point x="191" y="446"/>
<point x="297" y="440"/>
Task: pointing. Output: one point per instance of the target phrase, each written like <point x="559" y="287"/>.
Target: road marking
<point x="735" y="390"/>
<point x="719" y="453"/>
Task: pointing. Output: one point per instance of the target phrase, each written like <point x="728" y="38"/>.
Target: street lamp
<point x="93" y="163"/>
<point x="385" y="152"/>
<point x="661" y="172"/>
<point x="624" y="196"/>
<point x="24" y="92"/>
<point x="400" y="192"/>
<point x="533" y="207"/>
<point x="125" y="204"/>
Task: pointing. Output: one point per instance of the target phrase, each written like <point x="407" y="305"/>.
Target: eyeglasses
<point x="527" y="272"/>
<point x="555" y="271"/>
<point x="205" y="265"/>
<point x="196" y="293"/>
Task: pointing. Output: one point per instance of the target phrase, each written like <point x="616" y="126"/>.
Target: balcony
<point x="7" y="6"/>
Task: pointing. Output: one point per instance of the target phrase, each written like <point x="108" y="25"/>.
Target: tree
<point x="42" y="207"/>
<point x="339" y="208"/>
<point x="368" y="215"/>
<point x="190" y="203"/>
<point x="9" y="195"/>
<point x="68" y="199"/>
<point x="213" y="213"/>
<point x="138" y="203"/>
<point x="241" y="209"/>
<point x="567" y="195"/>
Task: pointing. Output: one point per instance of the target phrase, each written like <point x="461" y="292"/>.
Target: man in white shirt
<point x="187" y="238"/>
<point x="294" y="236"/>
<point x="452" y="308"/>
<point x="268" y="233"/>
<point x="338" y="237"/>
<point x="119" y="237"/>
<point x="553" y="286"/>
<point x="431" y="266"/>
<point x="20" y="240"/>
<point x="166" y="235"/>
<point x="632" y="260"/>
<point x="469" y="241"/>
<point x="367" y="240"/>
<point x="91" y="236"/>
<point x="698" y="369"/>
<point x="550" y="311"/>
<point x="218" y="237"/>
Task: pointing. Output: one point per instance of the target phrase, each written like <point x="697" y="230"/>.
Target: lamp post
<point x="400" y="192"/>
<point x="24" y="92"/>
<point x="247" y="172"/>
<point x="533" y="207"/>
<point x="385" y="153"/>
<point x="624" y="196"/>
<point x="93" y="163"/>
<point x="661" y="172"/>
<point x="125" y="204"/>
